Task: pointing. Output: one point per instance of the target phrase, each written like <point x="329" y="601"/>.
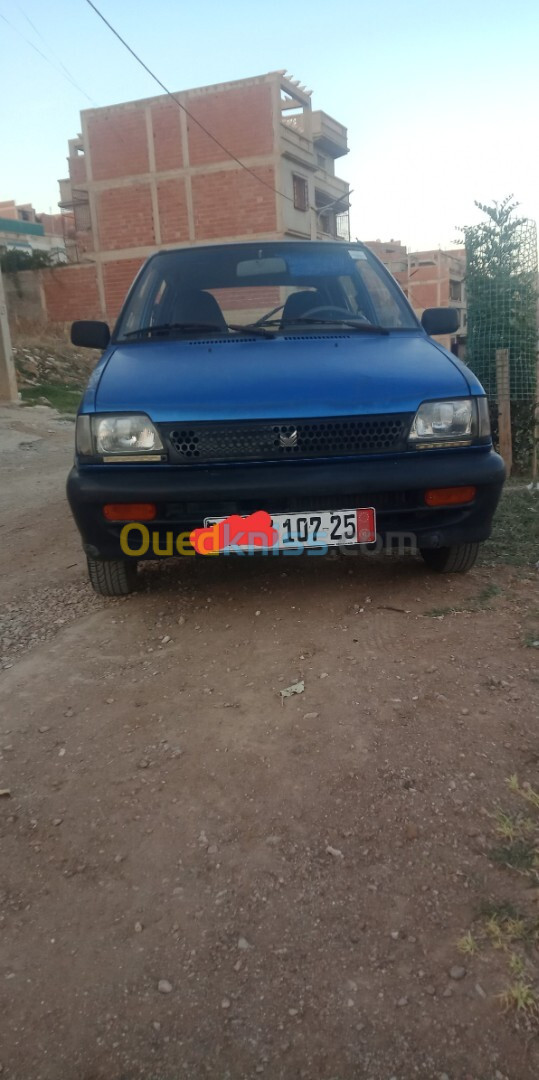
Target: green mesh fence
<point x="501" y="290"/>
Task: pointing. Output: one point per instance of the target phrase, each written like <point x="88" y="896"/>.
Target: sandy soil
<point x="199" y="879"/>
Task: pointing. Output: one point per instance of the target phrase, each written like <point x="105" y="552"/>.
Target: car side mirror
<point x="90" y="334"/>
<point x="440" y="320"/>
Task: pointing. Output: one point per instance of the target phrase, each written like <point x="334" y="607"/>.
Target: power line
<point x="67" y="74"/>
<point x="51" y="50"/>
<point x="184" y="108"/>
<point x="47" y="59"/>
<point x="66" y="70"/>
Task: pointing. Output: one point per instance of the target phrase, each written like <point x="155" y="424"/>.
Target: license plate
<point x="329" y="528"/>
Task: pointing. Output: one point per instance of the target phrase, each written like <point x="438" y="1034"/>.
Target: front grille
<point x="197" y="510"/>
<point x="263" y="440"/>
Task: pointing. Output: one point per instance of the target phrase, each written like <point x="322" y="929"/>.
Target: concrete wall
<point x="25" y="303"/>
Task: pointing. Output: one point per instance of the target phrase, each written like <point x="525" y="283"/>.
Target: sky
<point x="441" y="101"/>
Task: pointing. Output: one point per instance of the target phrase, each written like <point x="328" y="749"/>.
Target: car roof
<point x="256" y="244"/>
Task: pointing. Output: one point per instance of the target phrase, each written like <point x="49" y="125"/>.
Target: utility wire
<point x="36" y="30"/>
<point x="66" y="70"/>
<point x="184" y="109"/>
<point x="47" y="59"/>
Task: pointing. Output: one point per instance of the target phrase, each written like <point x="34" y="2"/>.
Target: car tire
<point x="112" y="577"/>
<point x="456" y="559"/>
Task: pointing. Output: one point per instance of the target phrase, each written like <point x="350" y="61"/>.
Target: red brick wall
<point x="227" y="203"/>
<point x="172" y="211"/>
<point x="241" y="118"/>
<point x="71" y="293"/>
<point x="167" y="136"/>
<point x="232" y="202"/>
<point x="118" y="143"/>
<point x="8" y="210"/>
<point x="124" y="216"/>
<point x="422" y="295"/>
<point x="118" y="276"/>
<point x="58" y="224"/>
<point x="263" y="298"/>
<point x="424" y="273"/>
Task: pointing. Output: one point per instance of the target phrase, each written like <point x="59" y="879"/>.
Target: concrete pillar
<point x="8" y="381"/>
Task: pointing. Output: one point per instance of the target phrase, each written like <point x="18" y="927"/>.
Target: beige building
<point x="22" y="229"/>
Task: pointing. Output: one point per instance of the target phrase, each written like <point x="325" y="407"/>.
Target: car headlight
<point x="458" y="422"/>
<point x="123" y="436"/>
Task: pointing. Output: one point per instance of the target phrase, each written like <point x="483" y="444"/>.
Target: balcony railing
<point x="70" y="197"/>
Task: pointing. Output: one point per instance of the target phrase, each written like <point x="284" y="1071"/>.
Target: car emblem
<point x="288" y="440"/>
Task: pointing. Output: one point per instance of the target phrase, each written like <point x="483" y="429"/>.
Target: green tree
<point x="15" y="260"/>
<point x="501" y="288"/>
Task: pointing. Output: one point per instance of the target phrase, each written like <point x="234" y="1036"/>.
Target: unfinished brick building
<point x="144" y="175"/>
<point x="433" y="278"/>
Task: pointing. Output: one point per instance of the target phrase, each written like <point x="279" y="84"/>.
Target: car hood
<point x="287" y="376"/>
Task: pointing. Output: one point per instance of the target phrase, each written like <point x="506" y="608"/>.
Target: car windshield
<point x="265" y="288"/>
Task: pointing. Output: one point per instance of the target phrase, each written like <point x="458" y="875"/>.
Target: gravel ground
<point x="39" y="616"/>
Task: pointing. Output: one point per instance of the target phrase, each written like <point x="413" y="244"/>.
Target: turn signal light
<point x="449" y="496"/>
<point x="130" y="511"/>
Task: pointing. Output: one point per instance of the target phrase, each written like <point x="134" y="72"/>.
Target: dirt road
<point x="200" y="880"/>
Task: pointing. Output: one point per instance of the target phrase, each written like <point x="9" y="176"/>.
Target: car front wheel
<point x="456" y="559"/>
<point x="112" y="577"/>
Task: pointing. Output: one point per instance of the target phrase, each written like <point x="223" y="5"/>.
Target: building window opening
<point x="301" y="193"/>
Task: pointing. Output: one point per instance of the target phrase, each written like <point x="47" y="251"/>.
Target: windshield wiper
<point x="194" y="327"/>
<point x="355" y="324"/>
<point x="162" y="329"/>
<point x="251" y="328"/>
<point x="166" y="328"/>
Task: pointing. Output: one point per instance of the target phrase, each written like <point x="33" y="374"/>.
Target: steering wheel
<point x="328" y="307"/>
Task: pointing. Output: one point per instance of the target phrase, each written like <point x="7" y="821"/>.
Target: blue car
<point x="286" y="380"/>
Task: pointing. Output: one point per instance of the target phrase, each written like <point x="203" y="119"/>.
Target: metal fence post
<point x="504" y="407"/>
<point x="535" y="454"/>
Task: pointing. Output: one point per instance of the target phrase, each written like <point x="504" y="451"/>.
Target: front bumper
<point x="395" y="486"/>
